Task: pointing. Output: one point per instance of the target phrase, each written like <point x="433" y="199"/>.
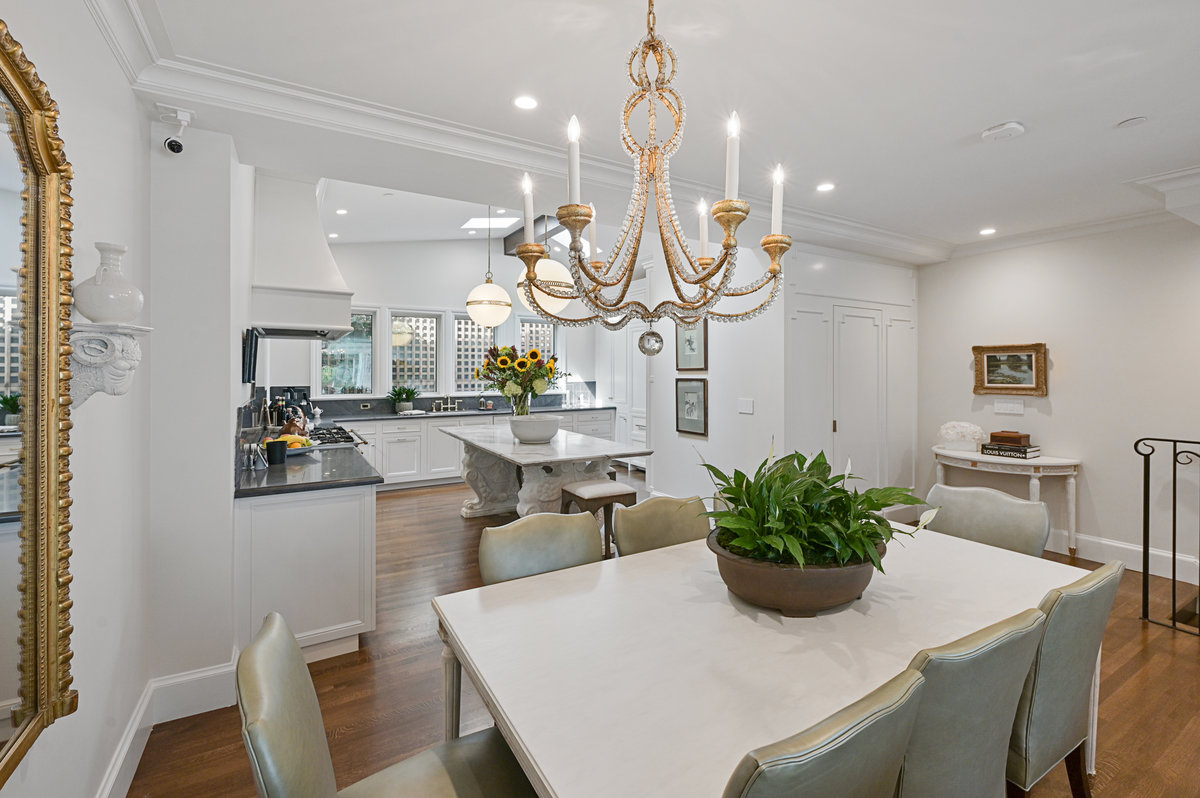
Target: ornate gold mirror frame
<point x="45" y="622"/>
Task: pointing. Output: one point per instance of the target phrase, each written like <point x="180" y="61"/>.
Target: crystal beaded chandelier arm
<point x="698" y="283"/>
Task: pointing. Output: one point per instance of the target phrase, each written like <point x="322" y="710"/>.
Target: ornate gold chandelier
<point x="698" y="282"/>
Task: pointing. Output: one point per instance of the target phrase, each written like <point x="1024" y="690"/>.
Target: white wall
<point x="420" y="274"/>
<point x="106" y="141"/>
<point x="745" y="361"/>
<point x="1118" y="313"/>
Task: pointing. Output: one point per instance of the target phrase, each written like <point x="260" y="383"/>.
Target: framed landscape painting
<point x="691" y="406"/>
<point x="1016" y="369"/>
<point x="691" y="347"/>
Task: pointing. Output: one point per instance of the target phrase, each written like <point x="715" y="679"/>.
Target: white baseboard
<point x="124" y="763"/>
<point x="166" y="698"/>
<point x="1104" y="550"/>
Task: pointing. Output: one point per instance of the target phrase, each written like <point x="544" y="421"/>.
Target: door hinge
<point x="835" y="425"/>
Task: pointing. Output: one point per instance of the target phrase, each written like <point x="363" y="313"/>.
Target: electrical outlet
<point x="364" y="405"/>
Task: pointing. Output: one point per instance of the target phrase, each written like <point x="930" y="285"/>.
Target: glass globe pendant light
<point x="488" y="304"/>
<point x="550" y="273"/>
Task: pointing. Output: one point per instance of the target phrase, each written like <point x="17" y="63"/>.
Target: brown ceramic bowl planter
<point x="797" y="592"/>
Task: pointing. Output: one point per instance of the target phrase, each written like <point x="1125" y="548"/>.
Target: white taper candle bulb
<point x="777" y="202"/>
<point x="527" y="187"/>
<point x="573" y="191"/>
<point x="702" y="209"/>
<point x="732" y="156"/>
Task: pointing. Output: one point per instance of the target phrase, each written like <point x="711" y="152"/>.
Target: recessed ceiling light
<point x="525" y="102"/>
<point x="333" y="235"/>
<point x="818" y="266"/>
<point x="1003" y="131"/>
<point x="987" y="231"/>
<point x="1132" y="121"/>
<point x="470" y="232"/>
<point x="501" y="210"/>
<point x="483" y="223"/>
<point x="388" y="194"/>
<point x="826" y="187"/>
<point x="557" y="248"/>
<point x="341" y="211"/>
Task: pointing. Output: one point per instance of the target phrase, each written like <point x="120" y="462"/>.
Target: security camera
<point x="175" y="116"/>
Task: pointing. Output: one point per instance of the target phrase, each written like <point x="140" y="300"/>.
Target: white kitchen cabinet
<point x="443" y="454"/>
<point x="310" y="556"/>
<point x="10" y="446"/>
<point x="401" y="451"/>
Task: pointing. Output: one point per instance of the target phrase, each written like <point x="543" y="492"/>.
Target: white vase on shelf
<point x="108" y="296"/>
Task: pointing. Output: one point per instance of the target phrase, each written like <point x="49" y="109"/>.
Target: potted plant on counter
<point x="521" y="377"/>
<point x="10" y="404"/>
<point x="793" y="537"/>
<point x="403" y="396"/>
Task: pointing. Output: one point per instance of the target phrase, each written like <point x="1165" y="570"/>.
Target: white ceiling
<point x="885" y="99"/>
<point x="376" y="214"/>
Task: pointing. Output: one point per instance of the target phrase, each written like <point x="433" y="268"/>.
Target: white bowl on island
<point x="534" y="428"/>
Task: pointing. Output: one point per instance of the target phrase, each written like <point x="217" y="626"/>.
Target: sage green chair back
<point x="289" y="755"/>
<point x="992" y="517"/>
<point x="661" y="521"/>
<point x="1052" y="716"/>
<point x="856" y="752"/>
<point x="281" y="719"/>
<point x="959" y="746"/>
<point x="536" y="544"/>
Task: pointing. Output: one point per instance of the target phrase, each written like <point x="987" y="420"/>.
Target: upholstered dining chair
<point x="289" y="755"/>
<point x="959" y="745"/>
<point x="536" y="544"/>
<point x="1052" y="716"/>
<point x="661" y="521"/>
<point x="992" y="517"/>
<point x="857" y="752"/>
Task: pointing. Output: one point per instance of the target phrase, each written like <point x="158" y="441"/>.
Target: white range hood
<point x="296" y="290"/>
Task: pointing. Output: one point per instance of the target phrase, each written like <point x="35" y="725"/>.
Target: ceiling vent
<point x="297" y="290"/>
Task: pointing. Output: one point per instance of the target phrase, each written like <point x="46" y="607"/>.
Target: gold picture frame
<point x="45" y="692"/>
<point x="1016" y="369"/>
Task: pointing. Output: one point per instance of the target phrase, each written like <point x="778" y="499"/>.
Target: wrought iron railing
<point x="1182" y="616"/>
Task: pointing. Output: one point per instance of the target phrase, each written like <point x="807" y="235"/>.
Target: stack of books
<point x="1007" y="443"/>
<point x="1010" y="450"/>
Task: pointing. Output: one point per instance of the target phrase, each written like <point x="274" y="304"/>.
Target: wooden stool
<point x="591" y="495"/>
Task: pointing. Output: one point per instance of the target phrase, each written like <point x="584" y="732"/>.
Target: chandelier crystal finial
<point x="698" y="283"/>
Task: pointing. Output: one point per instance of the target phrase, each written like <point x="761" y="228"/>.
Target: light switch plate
<point x="364" y="405"/>
<point x="746" y="406"/>
<point x="1010" y="407"/>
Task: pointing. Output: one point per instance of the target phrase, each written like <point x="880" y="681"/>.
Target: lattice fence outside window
<point x="471" y="343"/>
<point x="415" y="363"/>
<point x="539" y="335"/>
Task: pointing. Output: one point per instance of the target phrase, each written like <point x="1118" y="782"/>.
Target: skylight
<point x="482" y="223"/>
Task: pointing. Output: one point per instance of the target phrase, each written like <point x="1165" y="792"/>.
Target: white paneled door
<point x="851" y="386"/>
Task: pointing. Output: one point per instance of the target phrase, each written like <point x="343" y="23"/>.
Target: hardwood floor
<point x="383" y="703"/>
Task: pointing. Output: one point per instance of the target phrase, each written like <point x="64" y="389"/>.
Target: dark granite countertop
<point x="324" y="469"/>
<point x="504" y="411"/>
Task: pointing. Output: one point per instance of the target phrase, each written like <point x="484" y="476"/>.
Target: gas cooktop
<point x="331" y="435"/>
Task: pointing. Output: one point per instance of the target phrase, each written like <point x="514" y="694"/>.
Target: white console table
<point x="1035" y="468"/>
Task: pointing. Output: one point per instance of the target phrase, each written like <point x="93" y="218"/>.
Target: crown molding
<point x="128" y="36"/>
<point x="1180" y="189"/>
<point x="1061" y="233"/>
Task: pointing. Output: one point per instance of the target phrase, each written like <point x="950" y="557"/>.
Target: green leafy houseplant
<point x="795" y="511"/>
<point x="10" y="403"/>
<point x="402" y="393"/>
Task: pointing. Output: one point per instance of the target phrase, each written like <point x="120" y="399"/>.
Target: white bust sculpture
<point x="102" y="361"/>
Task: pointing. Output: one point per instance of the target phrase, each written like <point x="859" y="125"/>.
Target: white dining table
<point x="644" y="676"/>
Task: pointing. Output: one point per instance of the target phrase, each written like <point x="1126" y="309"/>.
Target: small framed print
<point x="1016" y="369"/>
<point x="691" y="347"/>
<point x="691" y="406"/>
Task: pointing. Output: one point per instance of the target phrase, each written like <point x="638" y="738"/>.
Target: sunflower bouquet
<point x="518" y="376"/>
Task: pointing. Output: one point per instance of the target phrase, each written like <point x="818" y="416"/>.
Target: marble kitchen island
<point x="492" y="458"/>
<point x="304" y="546"/>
